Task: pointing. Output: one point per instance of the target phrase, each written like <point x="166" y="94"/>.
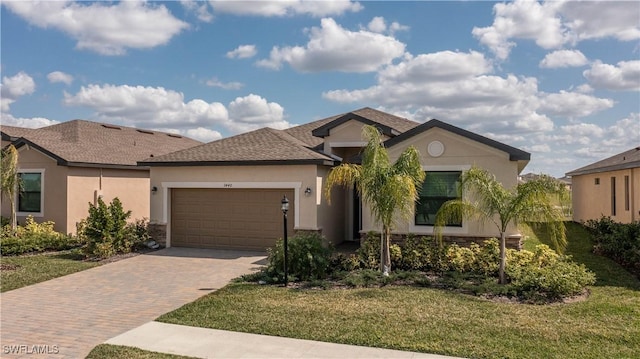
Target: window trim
<point x="41" y="171"/>
<point x="428" y="230"/>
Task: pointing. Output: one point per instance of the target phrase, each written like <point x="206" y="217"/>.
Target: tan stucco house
<point x="610" y="187"/>
<point x="227" y="193"/>
<point x="66" y="166"/>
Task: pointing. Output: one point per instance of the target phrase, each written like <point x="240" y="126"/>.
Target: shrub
<point x="487" y="257"/>
<point x="369" y="252"/>
<point x="341" y="262"/>
<point x="423" y="253"/>
<point x="543" y="274"/>
<point x="106" y="231"/>
<point x="460" y="259"/>
<point x="618" y="241"/>
<point x="308" y="258"/>
<point x="34" y="237"/>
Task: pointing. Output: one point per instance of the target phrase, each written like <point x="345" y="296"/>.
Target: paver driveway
<point x="67" y="316"/>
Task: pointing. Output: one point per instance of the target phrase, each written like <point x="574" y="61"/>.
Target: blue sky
<point x="558" y="79"/>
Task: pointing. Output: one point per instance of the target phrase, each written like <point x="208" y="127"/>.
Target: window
<point x="626" y="193"/>
<point x="597" y="181"/>
<point x="437" y="188"/>
<point x="613" y="196"/>
<point x="30" y="196"/>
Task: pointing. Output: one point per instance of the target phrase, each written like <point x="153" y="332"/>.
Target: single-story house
<point x="227" y="193"/>
<point x="66" y="166"/>
<point x="610" y="187"/>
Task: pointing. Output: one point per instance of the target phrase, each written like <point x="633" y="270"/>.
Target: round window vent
<point x="435" y="149"/>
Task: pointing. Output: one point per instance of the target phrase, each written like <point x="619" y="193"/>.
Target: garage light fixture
<point x="307" y="191"/>
<point x="154" y="189"/>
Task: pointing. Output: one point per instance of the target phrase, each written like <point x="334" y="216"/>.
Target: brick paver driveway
<point x="67" y="316"/>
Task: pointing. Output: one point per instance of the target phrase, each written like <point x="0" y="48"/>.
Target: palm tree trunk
<point x="503" y="258"/>
<point x="385" y="261"/>
<point x="14" y="219"/>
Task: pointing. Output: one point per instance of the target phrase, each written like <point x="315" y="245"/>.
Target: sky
<point x="558" y="79"/>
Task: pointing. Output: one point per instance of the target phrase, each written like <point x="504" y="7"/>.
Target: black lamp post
<point x="285" y="208"/>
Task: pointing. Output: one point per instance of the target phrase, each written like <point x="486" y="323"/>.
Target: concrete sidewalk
<point x="212" y="343"/>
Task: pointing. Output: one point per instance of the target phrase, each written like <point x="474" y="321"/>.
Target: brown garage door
<point x="228" y="218"/>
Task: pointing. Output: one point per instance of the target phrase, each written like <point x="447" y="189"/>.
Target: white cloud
<point x="278" y="8"/>
<point x="521" y="19"/>
<point x="214" y="82"/>
<point x="200" y="9"/>
<point x="379" y="25"/>
<point x="203" y="134"/>
<point x="104" y="28"/>
<point x="573" y="104"/>
<point x="35" y="122"/>
<point x="601" y="19"/>
<point x="156" y="107"/>
<point x="624" y="76"/>
<point x="59" y="76"/>
<point x="243" y="52"/>
<point x="333" y="48"/>
<point x="564" y="58"/>
<point x="149" y="106"/>
<point x="252" y="111"/>
<point x="553" y="24"/>
<point x="14" y="87"/>
<point x="439" y="66"/>
<point x="540" y="148"/>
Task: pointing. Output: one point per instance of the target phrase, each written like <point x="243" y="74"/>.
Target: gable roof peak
<point x="515" y="154"/>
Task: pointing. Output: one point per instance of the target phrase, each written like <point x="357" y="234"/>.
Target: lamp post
<point x="285" y="208"/>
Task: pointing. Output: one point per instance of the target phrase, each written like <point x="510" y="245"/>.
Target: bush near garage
<point x="106" y="231"/>
<point x="308" y="258"/>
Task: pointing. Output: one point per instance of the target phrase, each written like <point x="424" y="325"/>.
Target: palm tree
<point x="10" y="182"/>
<point x="487" y="200"/>
<point x="390" y="190"/>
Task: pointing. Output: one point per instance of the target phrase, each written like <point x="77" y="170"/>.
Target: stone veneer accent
<point x="513" y="242"/>
<point x="158" y="232"/>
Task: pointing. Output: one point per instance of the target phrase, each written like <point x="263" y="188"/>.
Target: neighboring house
<point x="566" y="180"/>
<point x="65" y="167"/>
<point x="227" y="193"/>
<point x="610" y="187"/>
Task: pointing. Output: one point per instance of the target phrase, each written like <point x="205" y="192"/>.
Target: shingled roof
<point x="262" y="146"/>
<point x="12" y="133"/>
<point x="86" y="143"/>
<point x="312" y="133"/>
<point x="624" y="160"/>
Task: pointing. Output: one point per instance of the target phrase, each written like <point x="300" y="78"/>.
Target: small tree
<point x="390" y="190"/>
<point x="10" y="180"/>
<point x="487" y="200"/>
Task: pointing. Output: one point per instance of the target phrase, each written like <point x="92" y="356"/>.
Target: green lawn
<point x="116" y="351"/>
<point x="31" y="269"/>
<point x="606" y="325"/>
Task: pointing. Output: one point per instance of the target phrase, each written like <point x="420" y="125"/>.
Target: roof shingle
<point x="80" y="142"/>
<point x="624" y="160"/>
<point x="265" y="145"/>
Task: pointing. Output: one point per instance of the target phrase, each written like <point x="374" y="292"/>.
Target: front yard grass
<point x="606" y="325"/>
<point x="117" y="351"/>
<point x="25" y="270"/>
